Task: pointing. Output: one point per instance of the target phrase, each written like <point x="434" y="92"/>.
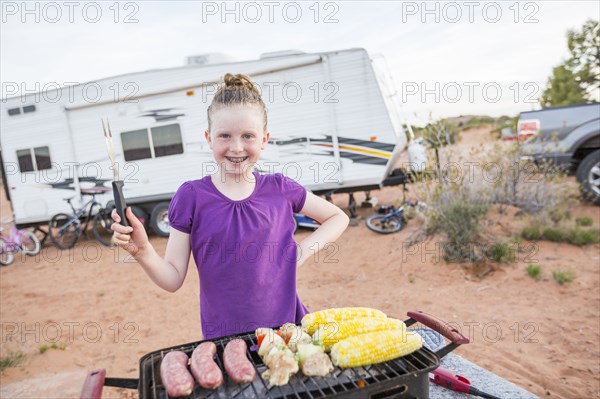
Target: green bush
<point x="553" y="234"/>
<point x="531" y="233"/>
<point x="534" y="271"/>
<point x="501" y="253"/>
<point x="12" y="360"/>
<point x="563" y="277"/>
<point x="584" y="221"/>
<point x="460" y="222"/>
<point x="582" y="237"/>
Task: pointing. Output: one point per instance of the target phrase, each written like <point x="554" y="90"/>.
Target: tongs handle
<point x="120" y="203"/>
<point x="441" y="327"/>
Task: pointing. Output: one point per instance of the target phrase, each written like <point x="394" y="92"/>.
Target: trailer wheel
<point x="142" y="215"/>
<point x="588" y="176"/>
<point x="159" y="221"/>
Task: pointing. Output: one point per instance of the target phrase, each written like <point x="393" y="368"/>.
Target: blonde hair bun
<point x="239" y="81"/>
<point x="238" y="89"/>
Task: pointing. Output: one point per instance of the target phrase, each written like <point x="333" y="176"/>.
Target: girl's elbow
<point x="172" y="288"/>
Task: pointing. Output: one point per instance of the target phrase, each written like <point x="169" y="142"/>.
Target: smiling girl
<point x="238" y="224"/>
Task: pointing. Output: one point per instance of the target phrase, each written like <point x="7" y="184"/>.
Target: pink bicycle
<point x="18" y="240"/>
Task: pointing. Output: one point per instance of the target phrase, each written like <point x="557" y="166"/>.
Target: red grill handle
<point x="440" y="326"/>
<point x="92" y="387"/>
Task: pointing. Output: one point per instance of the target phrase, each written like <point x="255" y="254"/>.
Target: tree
<point x="562" y="89"/>
<point x="577" y="80"/>
<point x="584" y="46"/>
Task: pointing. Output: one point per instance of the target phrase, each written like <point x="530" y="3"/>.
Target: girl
<point x="238" y="224"/>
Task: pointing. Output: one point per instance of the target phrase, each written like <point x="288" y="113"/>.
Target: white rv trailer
<point x="332" y="119"/>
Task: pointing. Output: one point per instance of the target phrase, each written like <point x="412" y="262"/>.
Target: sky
<point x="445" y="58"/>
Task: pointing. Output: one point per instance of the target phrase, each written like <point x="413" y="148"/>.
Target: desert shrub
<point x="530" y="187"/>
<point x="459" y="198"/>
<point x="563" y="277"/>
<point x="582" y="237"/>
<point x="531" y="233"/>
<point x="461" y="224"/>
<point x="584" y="221"/>
<point x="501" y="253"/>
<point x="534" y="271"/>
<point x="440" y="133"/>
<point x="553" y="234"/>
<point x="13" y="359"/>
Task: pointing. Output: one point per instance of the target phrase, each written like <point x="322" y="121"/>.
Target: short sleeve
<point x="294" y="192"/>
<point x="181" y="208"/>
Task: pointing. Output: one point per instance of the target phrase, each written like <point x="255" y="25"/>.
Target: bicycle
<point x="18" y="240"/>
<point x="65" y="230"/>
<point x="388" y="220"/>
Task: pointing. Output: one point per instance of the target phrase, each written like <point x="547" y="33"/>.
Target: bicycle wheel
<point x="384" y="224"/>
<point x="102" y="230"/>
<point x="30" y="243"/>
<point x="6" y="254"/>
<point x="64" y="230"/>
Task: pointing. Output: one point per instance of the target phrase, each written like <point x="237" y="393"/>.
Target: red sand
<point x="542" y="336"/>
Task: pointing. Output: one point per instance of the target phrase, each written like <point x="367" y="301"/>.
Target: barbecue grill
<point x="405" y="377"/>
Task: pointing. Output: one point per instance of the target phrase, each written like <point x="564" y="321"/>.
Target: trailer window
<point x="136" y="145"/>
<point x="14" y="111"/>
<point x="167" y="140"/>
<point x="32" y="159"/>
<point x="25" y="161"/>
<point x="155" y="142"/>
<point x="42" y="158"/>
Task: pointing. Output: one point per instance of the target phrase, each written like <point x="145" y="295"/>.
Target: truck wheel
<point x="160" y="219"/>
<point x="588" y="176"/>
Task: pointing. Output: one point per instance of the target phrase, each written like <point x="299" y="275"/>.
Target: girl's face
<point x="237" y="138"/>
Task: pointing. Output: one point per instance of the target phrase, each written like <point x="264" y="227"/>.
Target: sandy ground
<point x="107" y="313"/>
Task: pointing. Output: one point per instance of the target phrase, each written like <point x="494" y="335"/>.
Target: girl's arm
<point x="333" y="223"/>
<point x="168" y="273"/>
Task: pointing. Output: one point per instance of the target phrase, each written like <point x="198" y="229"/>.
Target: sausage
<point x="174" y="374"/>
<point x="237" y="365"/>
<point x="205" y="370"/>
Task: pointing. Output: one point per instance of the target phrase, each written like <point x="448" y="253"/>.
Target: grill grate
<point x="399" y="375"/>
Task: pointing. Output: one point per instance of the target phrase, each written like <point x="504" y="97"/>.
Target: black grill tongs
<point x="117" y="185"/>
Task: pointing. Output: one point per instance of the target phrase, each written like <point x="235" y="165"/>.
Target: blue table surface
<point x="480" y="378"/>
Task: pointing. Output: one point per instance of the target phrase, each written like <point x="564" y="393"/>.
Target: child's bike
<point x="388" y="220"/>
<point x="18" y="240"/>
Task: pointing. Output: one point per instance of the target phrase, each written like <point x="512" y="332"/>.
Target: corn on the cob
<point x="333" y="332"/>
<point x="374" y="347"/>
<point x="312" y="321"/>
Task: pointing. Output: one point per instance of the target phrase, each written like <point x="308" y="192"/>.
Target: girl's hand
<point x="132" y="238"/>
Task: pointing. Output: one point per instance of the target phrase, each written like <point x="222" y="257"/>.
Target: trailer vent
<point x="17" y="111"/>
<point x="283" y="53"/>
<point x="209" y="59"/>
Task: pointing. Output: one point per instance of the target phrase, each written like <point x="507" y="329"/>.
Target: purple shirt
<point x="244" y="251"/>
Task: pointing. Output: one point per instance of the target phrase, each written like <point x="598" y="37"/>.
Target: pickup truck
<point x="569" y="137"/>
